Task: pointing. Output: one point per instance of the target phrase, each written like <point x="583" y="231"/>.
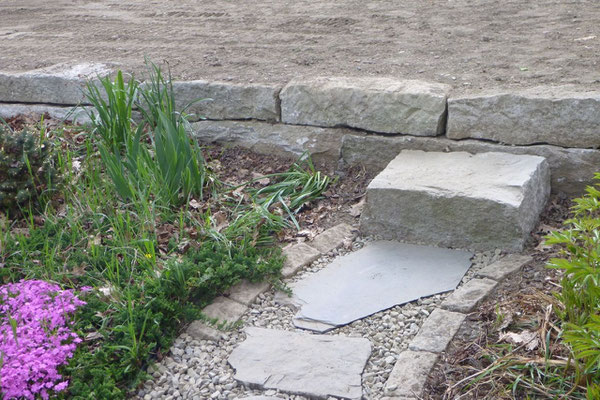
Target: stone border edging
<point x="559" y="122"/>
<point x="230" y="308"/>
<point x="413" y="366"/>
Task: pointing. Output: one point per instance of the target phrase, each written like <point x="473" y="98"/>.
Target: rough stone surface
<point x="504" y="267"/>
<point x="377" y="277"/>
<point x="298" y="256"/>
<point x="78" y="114"/>
<point x="571" y="169"/>
<point x="467" y="297"/>
<point x="228" y="100"/>
<point x="410" y="374"/>
<point x="333" y="238"/>
<point x="260" y="398"/>
<point x="437" y="331"/>
<point x="481" y="202"/>
<point x="292" y="141"/>
<point x="246" y="292"/>
<point x="554" y="115"/>
<point x="313" y="365"/>
<point x="59" y="84"/>
<point x="225" y="310"/>
<point x="201" y="331"/>
<point x="375" y="104"/>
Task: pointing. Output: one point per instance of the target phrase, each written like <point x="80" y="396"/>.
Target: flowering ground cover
<point x="123" y="236"/>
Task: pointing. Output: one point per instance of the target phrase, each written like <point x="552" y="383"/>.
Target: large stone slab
<point x="310" y="365"/>
<point x="437" y="331"/>
<point x="375" y="104"/>
<point x="410" y="373"/>
<point x="280" y="139"/>
<point x="228" y="100"/>
<point x="553" y="115"/>
<point x="571" y="169"/>
<point x="379" y="276"/>
<point x="480" y="202"/>
<point x="60" y="84"/>
<point x="77" y="115"/>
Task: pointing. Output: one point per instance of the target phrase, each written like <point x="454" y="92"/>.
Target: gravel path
<point x="198" y="369"/>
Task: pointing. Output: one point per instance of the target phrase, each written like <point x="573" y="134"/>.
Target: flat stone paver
<point x="332" y="238"/>
<point x="246" y="292"/>
<point x="377" y="277"/>
<point x="473" y="201"/>
<point x="200" y="330"/>
<point x="298" y="256"/>
<point x="225" y="310"/>
<point x="407" y="379"/>
<point x="468" y="296"/>
<point x="504" y="267"/>
<point x="437" y="331"/>
<point x="299" y="363"/>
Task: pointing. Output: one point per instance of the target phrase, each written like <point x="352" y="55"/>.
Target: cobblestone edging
<point x="407" y="379"/>
<point x="341" y="118"/>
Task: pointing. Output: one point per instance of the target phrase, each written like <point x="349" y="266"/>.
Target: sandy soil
<point x="467" y="43"/>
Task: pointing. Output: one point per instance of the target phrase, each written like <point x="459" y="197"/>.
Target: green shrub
<point x="580" y="286"/>
<point x="27" y="168"/>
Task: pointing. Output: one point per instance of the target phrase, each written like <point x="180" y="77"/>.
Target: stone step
<point x="460" y="200"/>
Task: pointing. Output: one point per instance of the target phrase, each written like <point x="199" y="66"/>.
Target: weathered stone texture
<point x="200" y="330"/>
<point x="225" y="310"/>
<point x="437" y="331"/>
<point x="333" y="238"/>
<point x="504" y="267"/>
<point x="292" y="141"/>
<point x="410" y="373"/>
<point x="246" y="292"/>
<point x="298" y="256"/>
<point x="78" y="114"/>
<point x="223" y="100"/>
<point x="480" y="202"/>
<point x="375" y="104"/>
<point x="571" y="169"/>
<point x="59" y="84"/>
<point x="553" y="115"/>
<point x="468" y="296"/>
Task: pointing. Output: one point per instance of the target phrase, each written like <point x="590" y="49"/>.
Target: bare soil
<point x="470" y="44"/>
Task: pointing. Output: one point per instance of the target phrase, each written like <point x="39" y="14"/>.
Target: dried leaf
<point x="356" y="209"/>
<point x="529" y="338"/>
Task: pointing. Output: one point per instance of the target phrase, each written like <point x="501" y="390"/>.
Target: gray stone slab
<point x="310" y="365"/>
<point x="333" y="238"/>
<point x="315" y="326"/>
<point x="228" y="100"/>
<point x="375" y="104"/>
<point x="571" y="169"/>
<point x="77" y="115"/>
<point x="246" y="292"/>
<point x="378" y="276"/>
<point x="504" y="267"/>
<point x="437" y="331"/>
<point x="323" y="144"/>
<point x="481" y="202"/>
<point x="298" y="256"/>
<point x="225" y="310"/>
<point x="468" y="296"/>
<point x="60" y="84"/>
<point x="554" y="115"/>
<point x="407" y="379"/>
<point x="200" y="330"/>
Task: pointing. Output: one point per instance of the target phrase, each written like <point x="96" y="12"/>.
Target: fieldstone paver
<point x="468" y="296"/>
<point x="225" y="310"/>
<point x="437" y="331"/>
<point x="482" y="202"/>
<point x="246" y="292"/>
<point x="311" y="365"/>
<point x="375" y="104"/>
<point x="504" y="267"/>
<point x="333" y="238"/>
<point x="407" y="379"/>
<point x="298" y="256"/>
<point x="554" y="115"/>
<point x="200" y="330"/>
<point x="60" y="84"/>
<point x="378" y="276"/>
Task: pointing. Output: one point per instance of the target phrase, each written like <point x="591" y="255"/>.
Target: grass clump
<point x="123" y="225"/>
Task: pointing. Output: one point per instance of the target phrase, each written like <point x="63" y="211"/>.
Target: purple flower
<point x="35" y="337"/>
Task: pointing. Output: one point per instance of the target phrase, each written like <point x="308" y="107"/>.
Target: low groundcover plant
<point x="35" y="338"/>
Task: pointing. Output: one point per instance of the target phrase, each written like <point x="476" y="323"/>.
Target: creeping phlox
<point x="35" y="338"/>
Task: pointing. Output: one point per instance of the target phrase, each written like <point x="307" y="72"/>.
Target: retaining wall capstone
<point x="553" y="115"/>
<point x="375" y="104"/>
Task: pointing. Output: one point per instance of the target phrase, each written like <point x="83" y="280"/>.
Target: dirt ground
<point x="470" y="44"/>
